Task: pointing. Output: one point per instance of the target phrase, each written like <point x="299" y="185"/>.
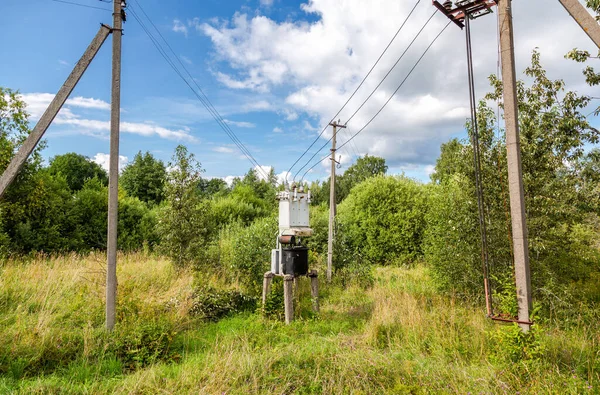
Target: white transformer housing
<point x="294" y="213"/>
<point x="293" y="221"/>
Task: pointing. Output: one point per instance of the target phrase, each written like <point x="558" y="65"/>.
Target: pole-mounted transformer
<point x="290" y="258"/>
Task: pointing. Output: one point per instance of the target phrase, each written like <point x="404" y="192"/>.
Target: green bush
<point x="211" y="304"/>
<point x="451" y="240"/>
<point x="141" y="343"/>
<point x="251" y="253"/>
<point x="244" y="252"/>
<point x="509" y="344"/>
<point x="383" y="220"/>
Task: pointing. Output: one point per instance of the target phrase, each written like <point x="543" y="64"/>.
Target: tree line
<point x="391" y="220"/>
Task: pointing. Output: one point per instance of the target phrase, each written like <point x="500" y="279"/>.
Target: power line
<point x="203" y="98"/>
<point x="82" y="5"/>
<point x="388" y="100"/>
<point x="357" y="88"/>
<point x="374" y="90"/>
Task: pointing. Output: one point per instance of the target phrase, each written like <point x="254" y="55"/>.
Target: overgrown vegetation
<point x="398" y="335"/>
<point x="402" y="314"/>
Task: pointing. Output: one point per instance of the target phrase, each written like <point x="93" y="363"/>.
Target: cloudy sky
<point x="276" y="70"/>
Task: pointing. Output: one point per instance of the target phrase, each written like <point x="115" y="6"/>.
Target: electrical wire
<point x="357" y="88"/>
<point x="203" y="98"/>
<point x="81" y="5"/>
<point x="386" y="103"/>
<point x="374" y="90"/>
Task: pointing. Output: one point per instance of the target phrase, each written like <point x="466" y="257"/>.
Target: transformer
<point x="289" y="256"/>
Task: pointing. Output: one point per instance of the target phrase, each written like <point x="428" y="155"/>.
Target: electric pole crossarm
<point x="583" y="18"/>
<point x="59" y="100"/>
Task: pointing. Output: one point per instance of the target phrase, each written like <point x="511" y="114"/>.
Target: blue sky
<point x="276" y="70"/>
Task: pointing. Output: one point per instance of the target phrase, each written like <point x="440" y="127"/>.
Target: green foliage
<point x="383" y="220"/>
<point x="554" y="135"/>
<point x="36" y="214"/>
<point x="76" y="169"/>
<point x="509" y="344"/>
<point x="274" y="306"/>
<point x="137" y="225"/>
<point x="249" y="252"/>
<point x="184" y="223"/>
<point x="213" y="187"/>
<point x="451" y="242"/>
<point x="90" y="210"/>
<point x="319" y="223"/>
<point x="144" y="178"/>
<point x="364" y="168"/>
<point x="140" y="344"/>
<point x="243" y="205"/>
<point x="212" y="304"/>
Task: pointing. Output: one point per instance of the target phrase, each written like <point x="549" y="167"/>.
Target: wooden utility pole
<point x="515" y="174"/>
<point x="59" y="100"/>
<point x="113" y="176"/>
<point x="332" y="208"/>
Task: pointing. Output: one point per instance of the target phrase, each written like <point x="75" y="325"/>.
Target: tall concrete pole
<point x="331" y="205"/>
<point x="515" y="174"/>
<point x="113" y="172"/>
<point x="59" y="100"/>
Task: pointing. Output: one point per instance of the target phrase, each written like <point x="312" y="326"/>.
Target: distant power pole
<point x="515" y="173"/>
<point x="332" y="208"/>
<point x="113" y="172"/>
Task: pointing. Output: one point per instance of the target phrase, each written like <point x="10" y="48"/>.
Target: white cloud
<point x="283" y="177"/>
<point x="266" y="3"/>
<point x="186" y="59"/>
<point x="104" y="160"/>
<point x="179" y="27"/>
<point x="277" y="130"/>
<point x="37" y="103"/>
<point x="429" y="169"/>
<point x="262" y="171"/>
<point x="240" y="124"/>
<point x="224" y="150"/>
<point x="229" y="179"/>
<point x="63" y="62"/>
<point x="261" y="105"/>
<point x="87" y="102"/>
<point x="317" y="65"/>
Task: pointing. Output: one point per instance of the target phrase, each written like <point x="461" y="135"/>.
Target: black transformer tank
<point x="295" y="261"/>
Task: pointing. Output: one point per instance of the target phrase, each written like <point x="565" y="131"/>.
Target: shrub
<point x="383" y="220"/>
<point x="451" y="240"/>
<point x="211" y="304"/>
<point x="250" y="253"/>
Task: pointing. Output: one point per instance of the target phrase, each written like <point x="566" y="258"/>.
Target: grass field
<point x="398" y="336"/>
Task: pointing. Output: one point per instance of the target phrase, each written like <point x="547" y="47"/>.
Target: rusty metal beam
<point x="458" y="13"/>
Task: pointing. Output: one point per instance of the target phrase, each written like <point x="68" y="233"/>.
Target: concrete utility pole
<point x="332" y="208"/>
<point x="581" y="15"/>
<point x="515" y="174"/>
<point x="113" y="176"/>
<point x="59" y="100"/>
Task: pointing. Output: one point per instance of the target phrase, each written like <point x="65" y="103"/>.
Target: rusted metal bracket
<point x="471" y="8"/>
<point x="497" y="318"/>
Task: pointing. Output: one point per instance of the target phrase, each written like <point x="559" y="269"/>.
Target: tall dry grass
<point x="397" y="337"/>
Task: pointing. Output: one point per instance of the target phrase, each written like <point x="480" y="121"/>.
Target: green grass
<point x="397" y="337"/>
